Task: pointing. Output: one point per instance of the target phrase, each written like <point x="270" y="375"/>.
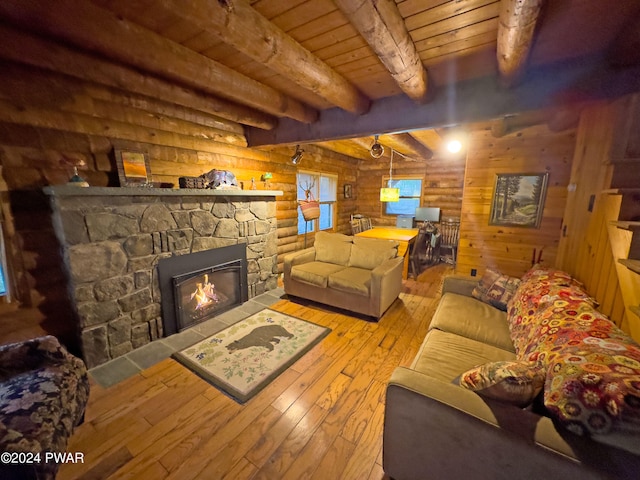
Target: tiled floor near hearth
<point x="134" y="362"/>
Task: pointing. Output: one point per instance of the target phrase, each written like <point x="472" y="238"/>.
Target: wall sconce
<point x="297" y="156"/>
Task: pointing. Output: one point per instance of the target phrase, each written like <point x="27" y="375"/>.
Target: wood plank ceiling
<point x="323" y="71"/>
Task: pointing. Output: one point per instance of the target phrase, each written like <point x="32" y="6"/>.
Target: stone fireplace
<point x="114" y="238"/>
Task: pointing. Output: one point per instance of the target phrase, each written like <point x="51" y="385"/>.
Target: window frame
<point x="385" y="182"/>
<point x="315" y="224"/>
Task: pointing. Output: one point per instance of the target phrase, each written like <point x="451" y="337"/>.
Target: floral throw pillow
<point x="517" y="383"/>
<point x="496" y="289"/>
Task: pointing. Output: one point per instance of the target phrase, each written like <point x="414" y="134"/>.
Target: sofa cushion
<point x="351" y="280"/>
<point x="315" y="273"/>
<point x="368" y="253"/>
<point x="473" y="319"/>
<point x="444" y="356"/>
<point x="517" y="383"/>
<point x="333" y="248"/>
<point x="496" y="289"/>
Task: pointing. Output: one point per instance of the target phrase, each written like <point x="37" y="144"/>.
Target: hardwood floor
<point x="320" y="419"/>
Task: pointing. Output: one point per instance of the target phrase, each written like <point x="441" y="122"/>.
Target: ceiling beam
<point x="518" y="19"/>
<point x="237" y="24"/>
<point x="406" y="144"/>
<point x="346" y="147"/>
<point x="471" y="101"/>
<point x="21" y="47"/>
<point x="625" y="50"/>
<point x="384" y="29"/>
<point x="90" y="27"/>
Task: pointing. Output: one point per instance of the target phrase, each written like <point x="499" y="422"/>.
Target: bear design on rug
<point x="260" y="337"/>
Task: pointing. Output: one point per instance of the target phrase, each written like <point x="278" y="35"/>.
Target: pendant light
<point x="390" y="194"/>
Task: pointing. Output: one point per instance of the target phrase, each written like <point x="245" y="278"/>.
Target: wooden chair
<point x="365" y="222"/>
<point x="419" y="252"/>
<point x="449" y="237"/>
<point x="356" y="226"/>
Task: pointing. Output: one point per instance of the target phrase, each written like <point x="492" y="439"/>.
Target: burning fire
<point x="205" y="293"/>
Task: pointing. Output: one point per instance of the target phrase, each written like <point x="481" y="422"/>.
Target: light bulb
<point x="454" y="146"/>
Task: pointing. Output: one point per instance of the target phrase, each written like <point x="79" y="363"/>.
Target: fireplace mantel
<point x="72" y="191"/>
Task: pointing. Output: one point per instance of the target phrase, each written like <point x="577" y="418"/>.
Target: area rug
<point x="244" y="358"/>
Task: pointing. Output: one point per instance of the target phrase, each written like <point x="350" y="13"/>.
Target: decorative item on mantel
<point x="221" y="180"/>
<point x="266" y="176"/>
<point x="76" y="180"/>
<point x="214" y="179"/>
<point x="133" y="168"/>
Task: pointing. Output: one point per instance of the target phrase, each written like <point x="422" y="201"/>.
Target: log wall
<point x="511" y="249"/>
<point x="442" y="184"/>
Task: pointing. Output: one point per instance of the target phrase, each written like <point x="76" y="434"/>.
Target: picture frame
<point x="133" y="168"/>
<point x="348" y="190"/>
<point x="518" y="199"/>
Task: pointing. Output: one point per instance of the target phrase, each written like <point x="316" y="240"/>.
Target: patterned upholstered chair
<point x="43" y="394"/>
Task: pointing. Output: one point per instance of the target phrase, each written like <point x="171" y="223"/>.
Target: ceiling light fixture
<point x="376" y="149"/>
<point x="390" y="194"/>
<point x="297" y="156"/>
<point x="454" y="146"/>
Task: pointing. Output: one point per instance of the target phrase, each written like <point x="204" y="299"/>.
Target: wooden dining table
<point x="404" y="236"/>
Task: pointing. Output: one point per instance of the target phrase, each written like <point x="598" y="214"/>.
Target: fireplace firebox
<point x="199" y="286"/>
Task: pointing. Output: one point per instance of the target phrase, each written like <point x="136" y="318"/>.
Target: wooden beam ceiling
<point x="24" y="48"/>
<point x="382" y="26"/>
<point x="407" y="145"/>
<point x="242" y="27"/>
<point x="472" y="101"/>
<point x="75" y="21"/>
<point x="252" y="62"/>
<point x="518" y="20"/>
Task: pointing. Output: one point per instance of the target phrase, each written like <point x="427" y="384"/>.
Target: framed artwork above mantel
<point x="133" y="168"/>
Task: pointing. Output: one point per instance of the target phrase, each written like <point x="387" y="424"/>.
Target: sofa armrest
<point x="297" y="258"/>
<point x="301" y="256"/>
<point x="386" y="283"/>
<point x="434" y="429"/>
<point x="31" y="354"/>
<point x="460" y="284"/>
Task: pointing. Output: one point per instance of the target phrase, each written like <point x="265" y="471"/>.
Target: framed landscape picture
<point x="518" y="199"/>
<point x="133" y="168"/>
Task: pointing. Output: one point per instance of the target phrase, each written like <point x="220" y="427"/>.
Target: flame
<point x="204" y="294"/>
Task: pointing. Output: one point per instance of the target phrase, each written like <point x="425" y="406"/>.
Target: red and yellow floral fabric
<point x="593" y="368"/>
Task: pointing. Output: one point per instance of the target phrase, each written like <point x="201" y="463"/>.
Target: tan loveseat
<point x="435" y="429"/>
<point x="363" y="275"/>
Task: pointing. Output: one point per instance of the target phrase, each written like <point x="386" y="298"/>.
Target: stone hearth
<point x="113" y="238"/>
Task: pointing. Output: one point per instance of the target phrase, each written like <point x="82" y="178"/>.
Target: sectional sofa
<point x="548" y="389"/>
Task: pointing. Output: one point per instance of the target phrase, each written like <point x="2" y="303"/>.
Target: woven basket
<point x="310" y="209"/>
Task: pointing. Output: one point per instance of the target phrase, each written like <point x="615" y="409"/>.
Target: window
<point x="324" y="188"/>
<point x="410" y="195"/>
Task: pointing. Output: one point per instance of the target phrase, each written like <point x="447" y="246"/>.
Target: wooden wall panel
<point x="511" y="249"/>
<point x="586" y="249"/>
